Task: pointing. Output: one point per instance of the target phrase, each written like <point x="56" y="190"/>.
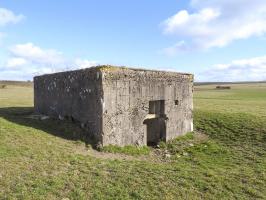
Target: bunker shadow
<point x="65" y="129"/>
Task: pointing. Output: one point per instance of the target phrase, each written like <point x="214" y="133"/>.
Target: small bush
<point x="3" y="86"/>
<point x="220" y="87"/>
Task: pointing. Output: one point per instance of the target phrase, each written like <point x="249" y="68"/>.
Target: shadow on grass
<point x="60" y="128"/>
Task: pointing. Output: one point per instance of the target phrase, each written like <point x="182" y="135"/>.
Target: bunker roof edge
<point x="110" y="68"/>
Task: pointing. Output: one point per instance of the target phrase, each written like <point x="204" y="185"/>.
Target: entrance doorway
<point x="156" y="122"/>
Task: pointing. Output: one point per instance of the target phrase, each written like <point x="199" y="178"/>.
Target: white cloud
<point x="28" y="60"/>
<point x="191" y="22"/>
<point x="15" y="62"/>
<point x="217" y="23"/>
<point x="8" y="17"/>
<point x="35" y="54"/>
<point x="253" y="69"/>
<point x="83" y="63"/>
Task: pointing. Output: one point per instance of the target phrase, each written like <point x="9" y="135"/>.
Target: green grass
<point x="225" y="158"/>
<point x="179" y="144"/>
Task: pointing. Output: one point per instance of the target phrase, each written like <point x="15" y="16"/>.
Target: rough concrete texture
<point x="75" y="95"/>
<point x="119" y="106"/>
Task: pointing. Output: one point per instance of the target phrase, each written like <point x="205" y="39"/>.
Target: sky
<point x="216" y="40"/>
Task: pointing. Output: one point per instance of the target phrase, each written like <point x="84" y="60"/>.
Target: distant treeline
<point x="20" y="83"/>
<point x="30" y="83"/>
<point x="227" y="83"/>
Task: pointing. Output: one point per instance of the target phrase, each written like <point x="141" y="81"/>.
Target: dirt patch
<point x="113" y="156"/>
<point x="156" y="155"/>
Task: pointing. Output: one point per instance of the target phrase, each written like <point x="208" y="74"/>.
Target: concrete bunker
<point x="118" y="105"/>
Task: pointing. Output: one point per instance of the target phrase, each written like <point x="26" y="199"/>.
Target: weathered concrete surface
<point x="127" y="93"/>
<point x="76" y="95"/>
<point x="120" y="105"/>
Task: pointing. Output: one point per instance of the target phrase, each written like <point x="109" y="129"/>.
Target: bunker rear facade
<point x="119" y="106"/>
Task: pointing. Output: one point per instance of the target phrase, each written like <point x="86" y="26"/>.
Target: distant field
<point x="224" y="159"/>
<point x="16" y="96"/>
<point x="18" y="83"/>
<point x="245" y="98"/>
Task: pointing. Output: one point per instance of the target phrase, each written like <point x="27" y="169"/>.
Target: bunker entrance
<point x="156" y="122"/>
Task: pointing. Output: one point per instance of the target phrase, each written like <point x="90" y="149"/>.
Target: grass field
<point x="225" y="158"/>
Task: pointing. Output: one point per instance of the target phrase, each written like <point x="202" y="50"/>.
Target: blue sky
<point x="217" y="40"/>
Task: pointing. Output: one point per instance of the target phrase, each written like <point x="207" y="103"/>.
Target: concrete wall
<point x="126" y="97"/>
<point x="75" y="95"/>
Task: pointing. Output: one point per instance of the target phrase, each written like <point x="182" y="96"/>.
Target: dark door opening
<point x="156" y="123"/>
